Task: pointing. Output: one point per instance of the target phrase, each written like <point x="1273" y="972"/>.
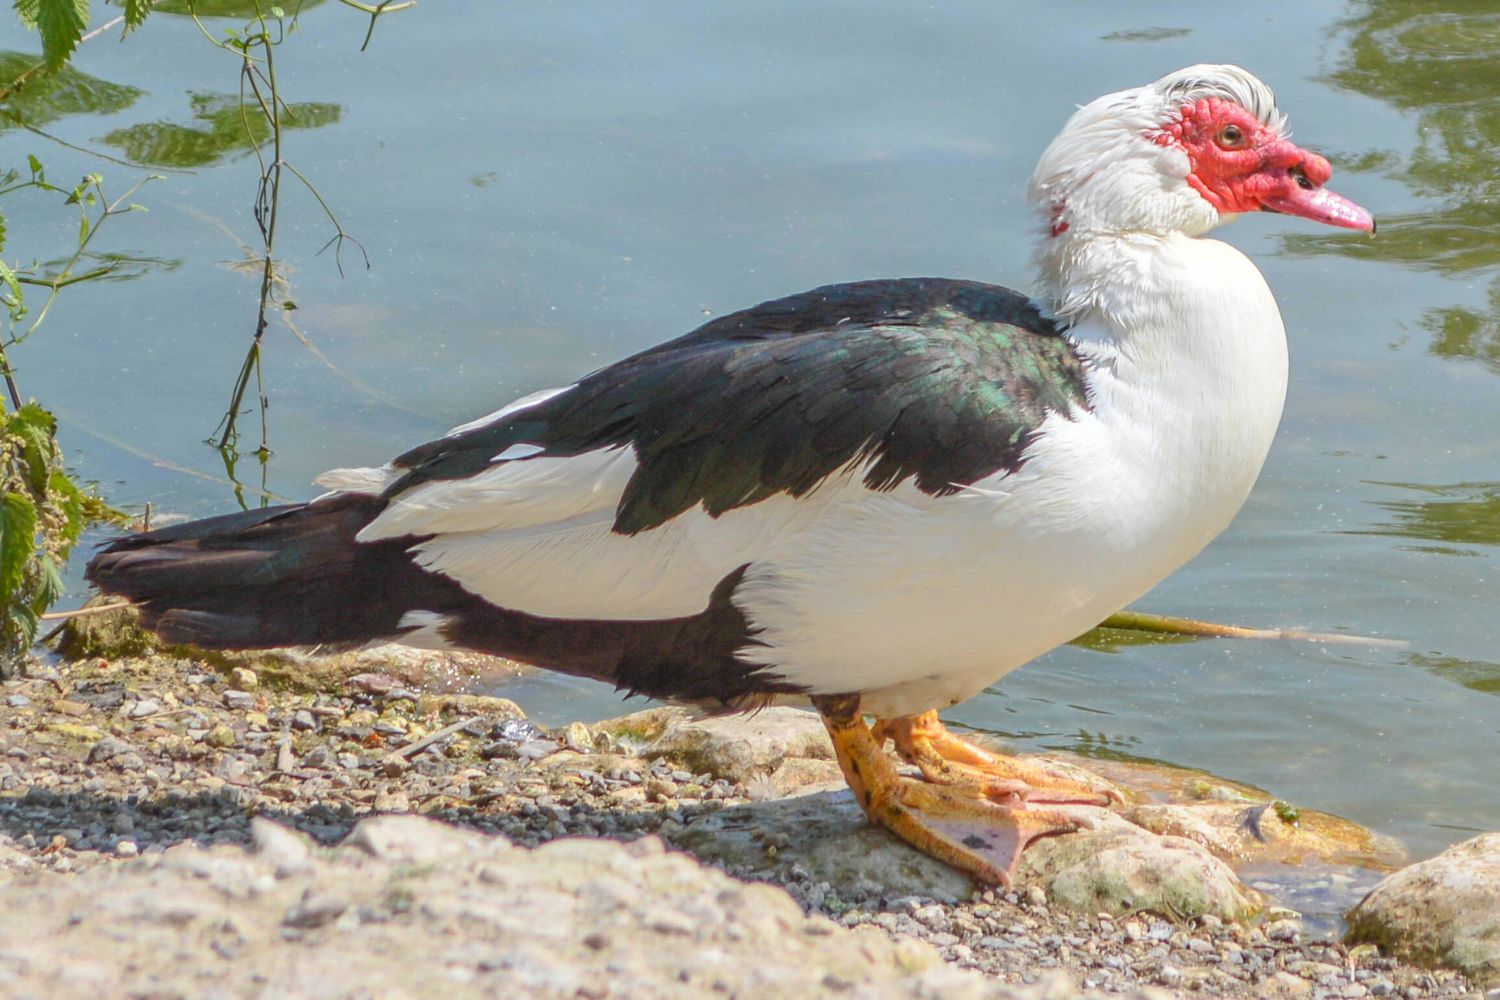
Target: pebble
<point x="1287" y="984"/>
<point x="244" y="678"/>
<point x="1283" y="930"/>
<point x="932" y="915"/>
<point x="536" y="749"/>
<point x="315" y="911"/>
<point x="108" y="749"/>
<point x="18" y="701"/>
<point x="578" y="738"/>
<point x="239" y="700"/>
<point x="220" y="736"/>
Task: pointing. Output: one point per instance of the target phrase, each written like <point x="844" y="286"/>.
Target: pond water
<point x="544" y="188"/>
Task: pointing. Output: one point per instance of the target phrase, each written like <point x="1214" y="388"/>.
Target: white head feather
<point x="1105" y="174"/>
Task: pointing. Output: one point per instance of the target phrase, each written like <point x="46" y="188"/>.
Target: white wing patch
<point x="577" y="569"/>
<point x="369" y="481"/>
<point x="525" y="402"/>
<point x="580" y="568"/>
<point x="509" y="496"/>
<point x="374" y="481"/>
<point x="519" y="450"/>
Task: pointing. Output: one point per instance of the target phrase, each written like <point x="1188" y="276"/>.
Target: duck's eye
<point x="1230" y="137"/>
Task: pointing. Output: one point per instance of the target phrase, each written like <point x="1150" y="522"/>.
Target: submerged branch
<point x="1140" y="621"/>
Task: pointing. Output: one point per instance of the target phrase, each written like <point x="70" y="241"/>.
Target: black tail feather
<point x="283" y="576"/>
<point x="296" y="576"/>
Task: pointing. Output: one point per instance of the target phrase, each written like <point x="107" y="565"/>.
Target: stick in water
<point x="1140" y="621"/>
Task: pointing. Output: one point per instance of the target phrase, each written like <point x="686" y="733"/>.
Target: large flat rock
<point x="1173" y="849"/>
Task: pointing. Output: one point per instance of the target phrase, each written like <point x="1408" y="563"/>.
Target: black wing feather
<point x="939" y="381"/>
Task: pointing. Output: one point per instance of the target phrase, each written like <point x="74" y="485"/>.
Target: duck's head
<point x="1187" y="153"/>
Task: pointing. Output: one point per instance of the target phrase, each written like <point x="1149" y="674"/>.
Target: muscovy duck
<point x="878" y="497"/>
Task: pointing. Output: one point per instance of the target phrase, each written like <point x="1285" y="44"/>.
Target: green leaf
<point x="59" y="22"/>
<point x="36" y="167"/>
<point x="31" y="415"/>
<point x="277" y="12"/>
<point x="17" y="541"/>
<point x="96" y="511"/>
<point x="23" y="628"/>
<point x="69" y="500"/>
<point x="49" y="585"/>
<point x="2" y="235"/>
<point x="135" y="13"/>
<point x="15" y="303"/>
<point x="35" y="428"/>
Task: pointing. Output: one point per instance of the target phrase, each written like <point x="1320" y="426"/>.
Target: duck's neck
<point x="1168" y="302"/>
<point x="1189" y="358"/>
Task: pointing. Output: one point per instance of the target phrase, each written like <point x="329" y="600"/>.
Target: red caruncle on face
<point x="1238" y="164"/>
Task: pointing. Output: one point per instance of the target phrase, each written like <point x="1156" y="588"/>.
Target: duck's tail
<point x="282" y="576"/>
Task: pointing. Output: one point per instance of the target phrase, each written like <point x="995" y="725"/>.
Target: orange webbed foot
<point x="979" y="825"/>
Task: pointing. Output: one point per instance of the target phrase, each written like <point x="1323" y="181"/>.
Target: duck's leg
<point x="923" y="740"/>
<point x="958" y="823"/>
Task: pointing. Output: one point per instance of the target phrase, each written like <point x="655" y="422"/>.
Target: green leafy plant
<point x="42" y="515"/>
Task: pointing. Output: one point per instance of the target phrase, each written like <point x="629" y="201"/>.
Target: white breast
<point x="930" y="600"/>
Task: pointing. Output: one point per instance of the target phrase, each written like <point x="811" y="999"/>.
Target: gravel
<point x="109" y="766"/>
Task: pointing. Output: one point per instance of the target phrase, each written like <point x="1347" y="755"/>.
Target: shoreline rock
<point x="1445" y="910"/>
<point x="108" y="764"/>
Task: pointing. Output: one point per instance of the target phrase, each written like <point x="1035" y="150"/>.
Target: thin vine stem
<point x="339" y="236"/>
<point x="375" y="10"/>
<point x="10" y="381"/>
<point x="65" y="277"/>
<point x="260" y="89"/>
<point x="267" y="203"/>
<point x="91" y="188"/>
